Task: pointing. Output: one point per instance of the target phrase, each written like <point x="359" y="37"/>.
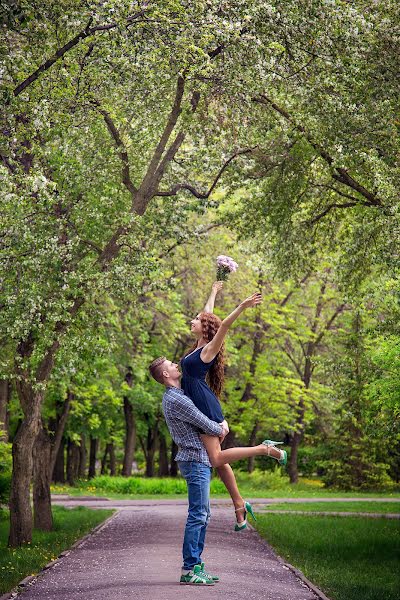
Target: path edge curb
<point x="319" y="593"/>
<point x="31" y="578"/>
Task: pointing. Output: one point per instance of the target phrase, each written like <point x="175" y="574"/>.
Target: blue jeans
<point x="198" y="477"/>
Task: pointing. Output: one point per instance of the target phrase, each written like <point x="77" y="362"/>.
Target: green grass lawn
<point x="360" y="506"/>
<point x="348" y="558"/>
<point x="257" y="485"/>
<point x="69" y="526"/>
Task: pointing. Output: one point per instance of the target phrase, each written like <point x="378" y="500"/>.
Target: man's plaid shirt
<point x="184" y="421"/>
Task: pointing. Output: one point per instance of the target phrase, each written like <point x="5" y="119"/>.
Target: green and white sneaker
<point x="196" y="577"/>
<point x="212" y="577"/>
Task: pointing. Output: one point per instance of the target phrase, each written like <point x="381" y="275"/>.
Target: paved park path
<point x="136" y="555"/>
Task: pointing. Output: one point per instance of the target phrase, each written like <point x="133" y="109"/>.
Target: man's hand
<point x="225" y="431"/>
<point x="225" y="426"/>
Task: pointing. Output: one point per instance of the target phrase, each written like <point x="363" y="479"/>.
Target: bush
<point x="310" y="460"/>
<point x="142" y="486"/>
<point x="263" y="480"/>
<point x="374" y="476"/>
<point x="5" y="472"/>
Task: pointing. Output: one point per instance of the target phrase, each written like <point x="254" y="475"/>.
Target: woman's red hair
<point x="215" y="377"/>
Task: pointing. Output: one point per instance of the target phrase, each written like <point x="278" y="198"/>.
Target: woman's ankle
<point x="240" y="513"/>
<point x="270" y="451"/>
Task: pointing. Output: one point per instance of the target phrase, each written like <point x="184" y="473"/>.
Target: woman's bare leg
<point x="220" y="457"/>
<point x="229" y="480"/>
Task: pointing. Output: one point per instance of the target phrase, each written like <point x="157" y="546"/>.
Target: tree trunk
<point x="45" y="454"/>
<point x="108" y="452"/>
<point x="301" y="411"/>
<point x="59" y="466"/>
<point x="60" y="428"/>
<point x="173" y="469"/>
<point x="292" y="466"/>
<point x="113" y="460"/>
<point x="43" y="518"/>
<point x="163" y="470"/>
<point x="82" y="458"/>
<point x="151" y="446"/>
<point x="92" y="457"/>
<point x="5" y="393"/>
<point x="21" y="523"/>
<point x="72" y="462"/>
<point x="150" y="463"/>
<point x="252" y="441"/>
<point x="130" y="431"/>
<point x="104" y="461"/>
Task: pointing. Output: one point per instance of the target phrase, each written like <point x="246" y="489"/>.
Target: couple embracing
<point x="194" y="417"/>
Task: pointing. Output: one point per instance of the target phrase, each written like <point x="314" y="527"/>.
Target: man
<point x="184" y="421"/>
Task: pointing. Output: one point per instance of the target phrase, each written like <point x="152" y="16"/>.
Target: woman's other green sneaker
<point x="196" y="577"/>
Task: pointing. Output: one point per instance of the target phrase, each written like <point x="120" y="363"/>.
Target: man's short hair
<point x="156" y="369"/>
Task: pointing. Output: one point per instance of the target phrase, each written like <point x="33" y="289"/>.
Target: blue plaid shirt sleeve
<point x="185" y="421"/>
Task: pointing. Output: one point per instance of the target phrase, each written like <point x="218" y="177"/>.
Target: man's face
<point x="171" y="370"/>
<point x="195" y="325"/>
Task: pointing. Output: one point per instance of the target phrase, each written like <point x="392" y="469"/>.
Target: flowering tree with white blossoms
<point x="134" y="117"/>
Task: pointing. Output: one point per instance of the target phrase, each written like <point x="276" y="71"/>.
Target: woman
<point x="206" y="359"/>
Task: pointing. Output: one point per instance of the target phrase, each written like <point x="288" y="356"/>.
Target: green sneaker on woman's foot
<point x="196" y="577"/>
<point x="212" y="577"/>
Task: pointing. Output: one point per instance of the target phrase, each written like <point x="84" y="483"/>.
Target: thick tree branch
<point x="178" y="243"/>
<point x="172" y="120"/>
<point x="85" y="33"/>
<point x="123" y="154"/>
<point x="286" y="351"/>
<point x="318" y="308"/>
<point x="168" y="157"/>
<point x="203" y="195"/>
<point x="326" y="210"/>
<point x="142" y="195"/>
<point x="286" y="299"/>
<point x="173" y="149"/>
<point x="334" y="189"/>
<point x="338" y="173"/>
<point x="329" y="323"/>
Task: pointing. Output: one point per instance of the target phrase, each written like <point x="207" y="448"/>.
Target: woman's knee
<point x="214" y="457"/>
<point x="216" y="460"/>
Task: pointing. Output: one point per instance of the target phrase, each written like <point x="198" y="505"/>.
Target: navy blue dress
<point x="194" y="372"/>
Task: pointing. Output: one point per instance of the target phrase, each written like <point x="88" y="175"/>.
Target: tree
<point x="354" y="462"/>
<point x="131" y="122"/>
<point x="72" y="265"/>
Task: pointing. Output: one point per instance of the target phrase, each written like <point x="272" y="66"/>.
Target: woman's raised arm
<point x="211" y="349"/>
<point x="216" y="287"/>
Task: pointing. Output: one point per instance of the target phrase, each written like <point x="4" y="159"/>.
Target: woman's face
<point x="196" y="327"/>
